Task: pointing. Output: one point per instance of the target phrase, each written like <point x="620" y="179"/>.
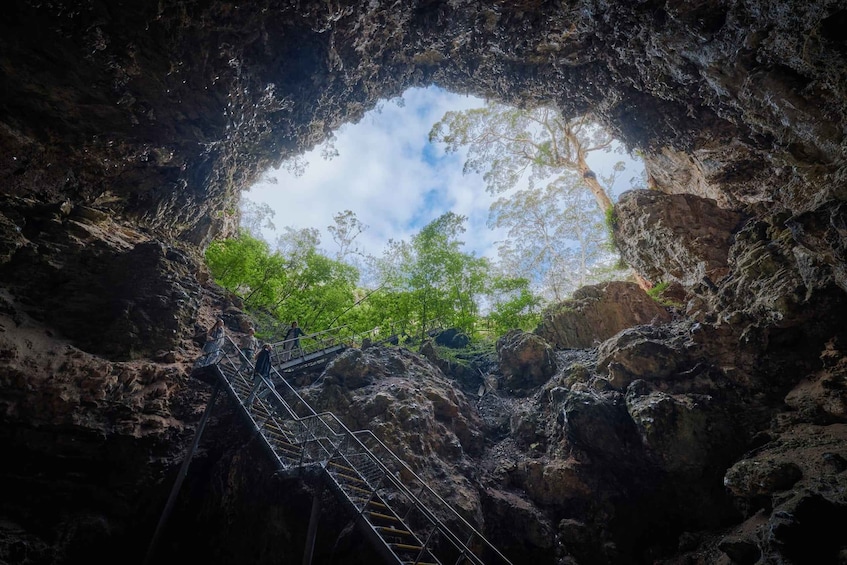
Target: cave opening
<point x="395" y="175"/>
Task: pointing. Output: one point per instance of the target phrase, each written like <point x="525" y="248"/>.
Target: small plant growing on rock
<point x="611" y="220"/>
<point x="656" y="293"/>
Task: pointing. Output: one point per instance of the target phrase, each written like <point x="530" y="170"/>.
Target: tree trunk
<point x="590" y="180"/>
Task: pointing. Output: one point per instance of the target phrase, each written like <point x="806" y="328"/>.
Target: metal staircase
<point x="404" y="519"/>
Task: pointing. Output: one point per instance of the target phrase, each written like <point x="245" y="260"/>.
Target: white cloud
<point x="383" y="174"/>
<point x="390" y="176"/>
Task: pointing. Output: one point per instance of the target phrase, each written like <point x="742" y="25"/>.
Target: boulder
<point x="599" y="424"/>
<point x="428" y="351"/>
<point x="657" y="245"/>
<point x="640" y="353"/>
<point x="750" y="478"/>
<point x="526" y="360"/>
<point x="453" y="338"/>
<point x="556" y="482"/>
<point x="354" y="369"/>
<point x="685" y="432"/>
<point x="596" y="313"/>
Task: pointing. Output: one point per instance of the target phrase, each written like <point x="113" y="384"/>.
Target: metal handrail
<point x="320" y="429"/>
<point x="418" y="504"/>
<point x="338" y="335"/>
<point x="474" y="532"/>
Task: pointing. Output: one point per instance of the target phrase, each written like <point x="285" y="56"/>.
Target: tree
<point x="297" y="283"/>
<point x="513" y="305"/>
<point x="319" y="290"/>
<point x="430" y="278"/>
<point x="233" y="261"/>
<point x="556" y="236"/>
<point x="255" y="217"/>
<point x="246" y="266"/>
<point x="346" y="229"/>
<point x="504" y="143"/>
<point x="297" y="243"/>
<point x="445" y="280"/>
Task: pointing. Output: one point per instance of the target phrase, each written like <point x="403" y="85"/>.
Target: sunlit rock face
<point x="127" y="132"/>
<point x="597" y="312"/>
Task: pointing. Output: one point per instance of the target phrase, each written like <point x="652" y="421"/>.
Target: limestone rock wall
<point x="597" y="312"/>
<point x="128" y="129"/>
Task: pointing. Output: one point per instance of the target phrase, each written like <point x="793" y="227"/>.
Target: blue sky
<point x="395" y="181"/>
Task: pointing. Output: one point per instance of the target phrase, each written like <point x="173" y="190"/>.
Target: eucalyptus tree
<point x="344" y="231"/>
<point x="255" y="217"/>
<point x="556" y="235"/>
<point x="506" y="143"/>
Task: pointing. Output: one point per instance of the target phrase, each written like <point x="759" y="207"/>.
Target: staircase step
<point x="286" y="447"/>
<point x="260" y="410"/>
<point x="277" y="432"/>
<point x="393" y="531"/>
<point x="380" y="516"/>
<point x="342" y="467"/>
<point x="405" y="547"/>
<point x="350" y="478"/>
<point x="356" y="489"/>
<point x="283" y="441"/>
<point x="370" y="502"/>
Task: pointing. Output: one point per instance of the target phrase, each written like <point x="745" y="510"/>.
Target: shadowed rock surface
<point x="128" y="129"/>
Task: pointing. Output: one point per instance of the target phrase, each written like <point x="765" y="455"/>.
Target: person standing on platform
<point x="292" y="340"/>
<point x="262" y="371"/>
<point x="214" y="342"/>
<point x="248" y="349"/>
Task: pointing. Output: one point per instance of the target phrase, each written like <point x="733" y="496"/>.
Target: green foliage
<point x="466" y="356"/>
<point x="236" y="262"/>
<point x="443" y="281"/>
<point x="657" y="290"/>
<point x="428" y="279"/>
<point x="514" y="305"/>
<point x="303" y="285"/>
<point x="656" y="294"/>
<point x="611" y="221"/>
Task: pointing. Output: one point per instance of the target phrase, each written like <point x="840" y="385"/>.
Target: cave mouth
<point x="395" y="178"/>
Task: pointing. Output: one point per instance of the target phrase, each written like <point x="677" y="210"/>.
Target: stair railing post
<point x="183" y="471"/>
<point x="425" y="543"/>
<point x="312" y="532"/>
<point x="372" y="494"/>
